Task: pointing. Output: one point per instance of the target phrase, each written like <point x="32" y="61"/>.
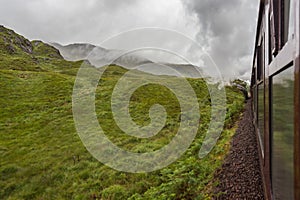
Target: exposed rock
<point x="10" y="49"/>
<point x="13" y="41"/>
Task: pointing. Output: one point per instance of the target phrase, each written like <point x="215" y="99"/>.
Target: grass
<point x="42" y="156"/>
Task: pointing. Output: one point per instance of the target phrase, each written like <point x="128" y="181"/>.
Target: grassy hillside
<point x="42" y="156"/>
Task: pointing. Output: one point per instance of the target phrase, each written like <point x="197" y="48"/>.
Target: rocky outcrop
<point x="14" y="42"/>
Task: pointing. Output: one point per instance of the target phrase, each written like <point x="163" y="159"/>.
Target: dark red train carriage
<point x="275" y="89"/>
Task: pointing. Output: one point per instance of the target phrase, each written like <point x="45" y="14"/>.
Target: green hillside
<point x="42" y="157"/>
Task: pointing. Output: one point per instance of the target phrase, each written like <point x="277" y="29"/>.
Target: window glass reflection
<point x="261" y="114"/>
<point x="291" y="20"/>
<point x="283" y="134"/>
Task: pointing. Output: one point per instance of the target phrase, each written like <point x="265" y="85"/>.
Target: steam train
<point x="275" y="90"/>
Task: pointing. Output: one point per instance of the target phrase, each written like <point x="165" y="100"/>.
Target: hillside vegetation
<point x="42" y="156"/>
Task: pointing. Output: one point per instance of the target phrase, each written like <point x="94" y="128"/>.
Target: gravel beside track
<point x="239" y="176"/>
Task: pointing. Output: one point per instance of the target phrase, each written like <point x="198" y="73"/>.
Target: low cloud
<point x="226" y="32"/>
<point x="225" y="29"/>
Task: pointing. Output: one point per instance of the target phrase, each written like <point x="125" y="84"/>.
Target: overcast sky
<point x="225" y="28"/>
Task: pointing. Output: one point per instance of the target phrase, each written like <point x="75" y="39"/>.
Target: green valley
<point x="42" y="157"/>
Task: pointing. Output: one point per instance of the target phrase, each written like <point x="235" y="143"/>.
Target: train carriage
<point x="275" y="89"/>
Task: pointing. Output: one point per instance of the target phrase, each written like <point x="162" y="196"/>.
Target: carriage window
<point x="255" y="103"/>
<point x="282" y="134"/>
<point x="260" y="61"/>
<point x="288" y="20"/>
<point x="272" y="47"/>
<point x="291" y="21"/>
<point x="260" y="114"/>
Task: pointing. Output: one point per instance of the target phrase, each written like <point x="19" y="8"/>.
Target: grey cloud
<point x="227" y="31"/>
<point x="68" y="21"/>
<point x="225" y="28"/>
<point x="115" y="4"/>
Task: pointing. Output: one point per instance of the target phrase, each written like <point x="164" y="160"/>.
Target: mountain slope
<point x="99" y="57"/>
<point x="14" y="44"/>
<point x="42" y="156"/>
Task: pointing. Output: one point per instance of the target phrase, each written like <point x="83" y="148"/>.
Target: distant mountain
<point x="74" y="52"/>
<point x="99" y="56"/>
<point x="32" y="53"/>
<point x="187" y="70"/>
